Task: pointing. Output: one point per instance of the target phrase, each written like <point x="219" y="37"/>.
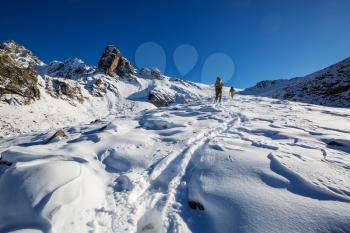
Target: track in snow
<point x="159" y="200"/>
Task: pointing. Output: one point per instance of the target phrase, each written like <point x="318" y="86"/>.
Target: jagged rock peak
<point x="109" y="60"/>
<point x="112" y="63"/>
<point x="22" y="56"/>
<point x="71" y="68"/>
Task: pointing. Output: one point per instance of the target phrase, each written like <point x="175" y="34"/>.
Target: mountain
<point x="35" y="96"/>
<point x="113" y="148"/>
<point x="329" y="87"/>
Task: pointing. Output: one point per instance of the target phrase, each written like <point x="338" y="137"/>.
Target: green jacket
<point x="218" y="84"/>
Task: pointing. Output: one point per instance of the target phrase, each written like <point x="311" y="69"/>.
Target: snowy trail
<point x="159" y="200"/>
<point x="254" y="164"/>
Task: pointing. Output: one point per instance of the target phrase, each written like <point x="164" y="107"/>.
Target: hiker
<point x="232" y="92"/>
<point x="218" y="89"/>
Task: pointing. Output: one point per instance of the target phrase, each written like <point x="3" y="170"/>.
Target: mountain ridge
<point x="329" y="86"/>
<point x="72" y="92"/>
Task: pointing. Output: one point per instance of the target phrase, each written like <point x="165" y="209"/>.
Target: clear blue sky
<point x="267" y="39"/>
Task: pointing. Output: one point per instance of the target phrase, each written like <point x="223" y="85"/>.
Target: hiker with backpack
<point x="218" y="89"/>
<point x="232" y="92"/>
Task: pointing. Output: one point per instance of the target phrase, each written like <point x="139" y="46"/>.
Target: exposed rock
<point x="112" y="63"/>
<point x="161" y="97"/>
<point x="125" y="68"/>
<point x="19" y="54"/>
<point x="330" y="86"/>
<point x="4" y="161"/>
<point x="144" y="72"/>
<point x="156" y="74"/>
<point x="148" y="227"/>
<point x="151" y="73"/>
<point x="196" y="205"/>
<point x="18" y="84"/>
<point x="334" y="143"/>
<point x="59" y="134"/>
<point x="70" y="68"/>
<point x="99" y="88"/>
<point x="65" y="89"/>
<point x="109" y="60"/>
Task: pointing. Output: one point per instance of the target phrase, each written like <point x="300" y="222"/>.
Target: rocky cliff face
<point x="19" y="54"/>
<point x="330" y="87"/>
<point x="112" y="63"/>
<point x="65" y="89"/>
<point x="18" y="79"/>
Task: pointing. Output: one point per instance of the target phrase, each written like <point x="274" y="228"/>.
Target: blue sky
<point x="267" y="39"/>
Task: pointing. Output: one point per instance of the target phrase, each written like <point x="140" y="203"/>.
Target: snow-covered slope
<point x="39" y="97"/>
<point x="137" y="151"/>
<point x="252" y="164"/>
<point x="330" y="87"/>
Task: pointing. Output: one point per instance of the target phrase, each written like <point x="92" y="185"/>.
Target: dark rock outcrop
<point x="195" y="205"/>
<point x="155" y="73"/>
<point x="112" y="63"/>
<point x="99" y="88"/>
<point x="18" y="84"/>
<point x="161" y="97"/>
<point x="4" y="161"/>
<point x="58" y="134"/>
<point x="65" y="89"/>
<point x="109" y="60"/>
<point x="19" y="54"/>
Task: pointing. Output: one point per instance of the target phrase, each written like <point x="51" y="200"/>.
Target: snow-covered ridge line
<point x="40" y="97"/>
<point x="329" y="86"/>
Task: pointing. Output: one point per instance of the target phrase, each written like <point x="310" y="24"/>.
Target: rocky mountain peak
<point x="70" y="68"/>
<point x="22" y="56"/>
<point x="112" y="63"/>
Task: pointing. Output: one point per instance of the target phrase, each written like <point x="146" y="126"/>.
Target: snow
<point x="329" y="87"/>
<point x="123" y="97"/>
<point x="255" y="164"/>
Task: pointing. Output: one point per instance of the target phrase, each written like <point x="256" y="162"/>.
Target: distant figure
<point x="232" y="92"/>
<point x="218" y="89"/>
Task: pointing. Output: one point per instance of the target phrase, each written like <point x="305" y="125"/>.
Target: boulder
<point x="5" y="162"/>
<point x="59" y="134"/>
<point x="196" y="205"/>
<point x="334" y="143"/>
<point x="161" y="97"/>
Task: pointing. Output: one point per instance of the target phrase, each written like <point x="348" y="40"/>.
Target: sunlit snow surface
<point x="255" y="164"/>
